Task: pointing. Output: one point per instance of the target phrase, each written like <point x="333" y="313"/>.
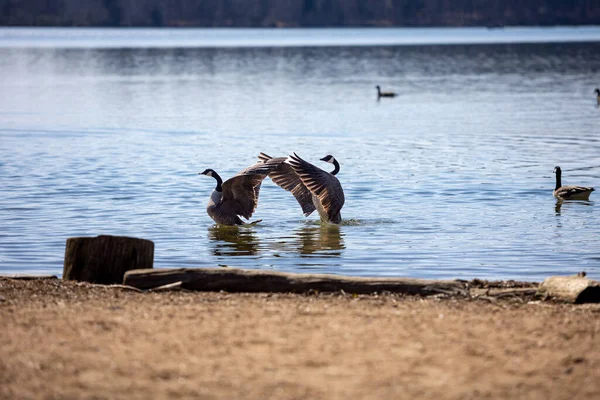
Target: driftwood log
<point x="570" y="289"/>
<point x="240" y="280"/>
<point x="105" y="259"/>
<point x="26" y="277"/>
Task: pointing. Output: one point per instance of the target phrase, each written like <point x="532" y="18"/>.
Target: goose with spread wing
<point x="238" y="195"/>
<point x="313" y="188"/>
<point x="570" y="192"/>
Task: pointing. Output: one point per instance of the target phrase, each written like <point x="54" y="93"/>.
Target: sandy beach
<point x="72" y="341"/>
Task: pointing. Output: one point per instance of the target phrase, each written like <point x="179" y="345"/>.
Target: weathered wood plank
<point x="571" y="289"/>
<point x="104" y="259"/>
<point x="239" y="280"/>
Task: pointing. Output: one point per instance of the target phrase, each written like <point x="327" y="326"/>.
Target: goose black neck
<point x="337" y="167"/>
<point x="219" y="182"/>
<point x="558" y="180"/>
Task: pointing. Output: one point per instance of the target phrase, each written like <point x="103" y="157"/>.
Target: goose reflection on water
<point x="322" y="240"/>
<point x="233" y="240"/>
<point x="326" y="240"/>
<point x="568" y="203"/>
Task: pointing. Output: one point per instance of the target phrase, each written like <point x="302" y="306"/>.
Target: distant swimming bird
<point x="313" y="188"/>
<point x="570" y="192"/>
<point x="384" y="94"/>
<point x="597" y="91"/>
<point x="237" y="195"/>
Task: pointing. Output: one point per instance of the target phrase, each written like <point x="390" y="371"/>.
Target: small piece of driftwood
<point x="570" y="289"/>
<point x="105" y="259"/>
<point x="495" y="294"/>
<point x="240" y="280"/>
<point x="115" y="286"/>
<point x="167" y="288"/>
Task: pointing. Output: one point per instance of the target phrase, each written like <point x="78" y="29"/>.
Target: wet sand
<point x="71" y="341"/>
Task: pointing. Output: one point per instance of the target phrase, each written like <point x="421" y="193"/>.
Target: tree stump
<point x="105" y="259"/>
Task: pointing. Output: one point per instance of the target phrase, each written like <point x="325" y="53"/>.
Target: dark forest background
<point x="298" y="13"/>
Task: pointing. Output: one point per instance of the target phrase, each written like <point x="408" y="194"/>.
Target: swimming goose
<point x="597" y="91"/>
<point x="313" y="188"/>
<point x="384" y="94"/>
<point x="570" y="192"/>
<point x="237" y="195"/>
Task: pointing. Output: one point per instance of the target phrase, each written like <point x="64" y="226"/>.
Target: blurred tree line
<point x="301" y="13"/>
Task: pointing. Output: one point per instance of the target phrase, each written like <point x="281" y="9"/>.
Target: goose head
<point x="597" y="91"/>
<point x="208" y="172"/>
<point x="328" y="158"/>
<point x="211" y="172"/>
<point x="557" y="170"/>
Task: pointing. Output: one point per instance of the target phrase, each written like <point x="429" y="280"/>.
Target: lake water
<point x="105" y="131"/>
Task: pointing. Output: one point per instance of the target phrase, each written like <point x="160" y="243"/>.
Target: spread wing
<point x="285" y="177"/>
<point x="240" y="192"/>
<point x="322" y="184"/>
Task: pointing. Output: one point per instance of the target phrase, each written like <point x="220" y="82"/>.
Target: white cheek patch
<point x="331" y="160"/>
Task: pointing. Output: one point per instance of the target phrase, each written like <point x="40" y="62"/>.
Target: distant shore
<point x="298" y="13"/>
<point x="69" y="340"/>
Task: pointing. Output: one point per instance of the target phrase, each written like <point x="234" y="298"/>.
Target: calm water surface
<point x="104" y="132"/>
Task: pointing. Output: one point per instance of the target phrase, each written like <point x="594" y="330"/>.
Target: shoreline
<point x="78" y="340"/>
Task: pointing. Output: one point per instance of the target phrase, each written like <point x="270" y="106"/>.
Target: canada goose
<point x="313" y="188"/>
<point x="597" y="91"/>
<point x="570" y="192"/>
<point x="237" y="195"/>
<point x="384" y="94"/>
